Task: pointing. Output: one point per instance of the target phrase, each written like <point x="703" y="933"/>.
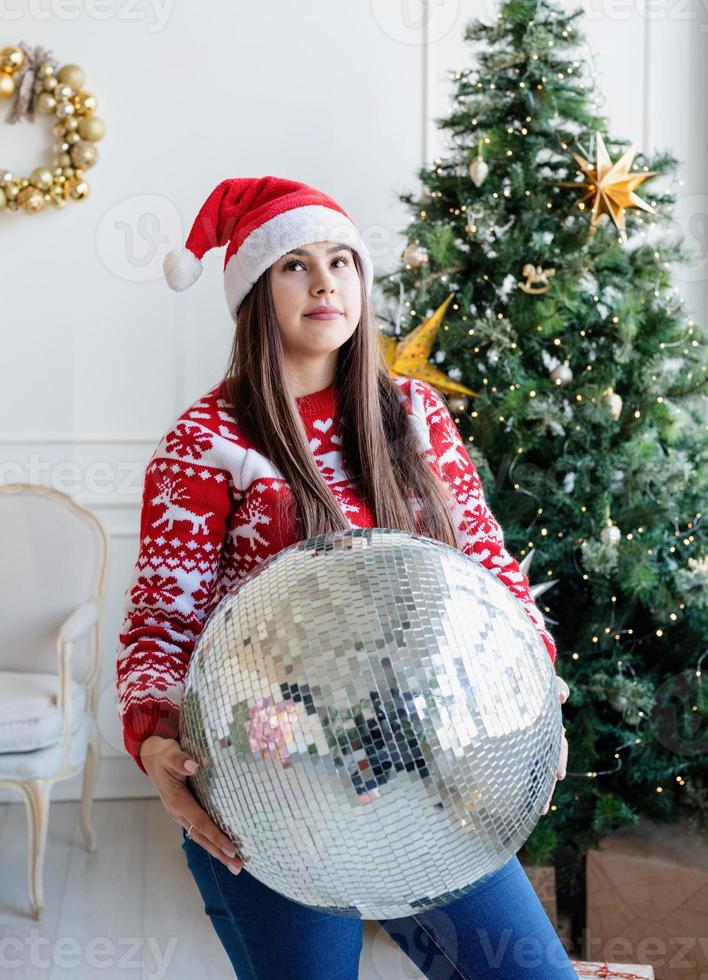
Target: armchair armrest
<point x="77" y="625"/>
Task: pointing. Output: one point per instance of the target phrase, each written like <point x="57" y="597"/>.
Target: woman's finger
<point x="563" y="761"/>
<point x="560" y="771"/>
<point x="204" y="830"/>
<point x="234" y="864"/>
<point x="548" y="801"/>
<point x="563" y="689"/>
<point x="208" y="829"/>
<point x="204" y="839"/>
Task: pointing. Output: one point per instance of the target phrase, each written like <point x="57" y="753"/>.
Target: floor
<point x="131" y="910"/>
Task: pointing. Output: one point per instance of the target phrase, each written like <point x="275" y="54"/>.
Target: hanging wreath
<point x="32" y="76"/>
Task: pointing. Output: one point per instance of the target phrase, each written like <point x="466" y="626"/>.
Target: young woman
<point x="306" y="433"/>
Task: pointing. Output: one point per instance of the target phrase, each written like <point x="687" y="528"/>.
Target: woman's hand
<point x="563" y="694"/>
<point x="168" y="767"/>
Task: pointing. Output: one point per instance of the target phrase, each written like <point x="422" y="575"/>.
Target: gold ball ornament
<point x="7" y="86"/>
<point x="57" y="197"/>
<point x="77" y="188"/>
<point x="562" y="374"/>
<point x="46" y="103"/>
<point x="31" y="199"/>
<point x="42" y="177"/>
<point x="64" y="92"/>
<point x="611" y="535"/>
<point x="3" y="199"/>
<point x="72" y="75"/>
<point x="415" y="255"/>
<point x="84" y="103"/>
<point x="83" y="154"/>
<point x="45" y="69"/>
<point x="91" y="128"/>
<point x="11" y="59"/>
<point x="64" y="109"/>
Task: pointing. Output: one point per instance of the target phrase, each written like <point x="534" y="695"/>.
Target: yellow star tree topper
<point x="410" y="357"/>
<point x="610" y="185"/>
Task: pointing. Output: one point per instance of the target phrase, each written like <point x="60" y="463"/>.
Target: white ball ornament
<point x="562" y="374"/>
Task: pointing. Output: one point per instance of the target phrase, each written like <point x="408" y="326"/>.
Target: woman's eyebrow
<point x="335" y="248"/>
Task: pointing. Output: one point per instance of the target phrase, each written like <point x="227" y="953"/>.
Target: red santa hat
<point x="259" y="219"/>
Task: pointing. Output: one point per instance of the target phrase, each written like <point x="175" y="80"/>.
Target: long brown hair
<point x="379" y="453"/>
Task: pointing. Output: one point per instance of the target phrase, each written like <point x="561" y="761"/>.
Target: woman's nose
<point x="323" y="282"/>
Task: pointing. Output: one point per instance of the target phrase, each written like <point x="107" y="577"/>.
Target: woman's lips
<point x="323" y="316"/>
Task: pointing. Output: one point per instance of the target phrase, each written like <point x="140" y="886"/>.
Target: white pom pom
<point x="182" y="268"/>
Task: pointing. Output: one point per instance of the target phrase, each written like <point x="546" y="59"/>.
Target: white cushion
<point x="30" y="718"/>
<point x="45" y="763"/>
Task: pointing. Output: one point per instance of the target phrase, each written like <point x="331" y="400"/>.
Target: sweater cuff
<point x="141" y="721"/>
<point x="550" y="646"/>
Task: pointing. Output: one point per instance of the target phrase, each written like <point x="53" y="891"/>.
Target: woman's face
<point x="318" y="274"/>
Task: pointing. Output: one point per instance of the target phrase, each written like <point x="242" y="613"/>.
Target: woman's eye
<point x="338" y="258"/>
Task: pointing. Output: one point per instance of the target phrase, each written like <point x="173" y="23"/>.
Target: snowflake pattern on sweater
<point x="209" y="515"/>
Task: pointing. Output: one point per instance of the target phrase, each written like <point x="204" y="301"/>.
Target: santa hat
<point x="259" y="219"/>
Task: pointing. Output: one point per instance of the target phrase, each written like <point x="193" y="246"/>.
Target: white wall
<point x="99" y="356"/>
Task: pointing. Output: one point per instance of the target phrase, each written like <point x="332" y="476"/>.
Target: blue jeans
<point x="497" y="929"/>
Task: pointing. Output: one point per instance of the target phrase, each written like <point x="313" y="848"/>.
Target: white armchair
<point x="53" y="559"/>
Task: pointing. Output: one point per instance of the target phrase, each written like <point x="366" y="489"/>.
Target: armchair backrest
<point x="52" y="559"/>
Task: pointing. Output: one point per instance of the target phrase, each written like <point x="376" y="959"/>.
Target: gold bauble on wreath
<point x="33" y="78"/>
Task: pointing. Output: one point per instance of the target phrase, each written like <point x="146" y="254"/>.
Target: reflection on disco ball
<point x="376" y="722"/>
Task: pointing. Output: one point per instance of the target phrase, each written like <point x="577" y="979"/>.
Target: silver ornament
<point x="614" y="403"/>
<point x="619" y="702"/>
<point x="611" y="535"/>
<point x="376" y="722"/>
<point x="479" y="171"/>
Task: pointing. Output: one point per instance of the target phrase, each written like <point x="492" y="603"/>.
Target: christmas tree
<point x="586" y="412"/>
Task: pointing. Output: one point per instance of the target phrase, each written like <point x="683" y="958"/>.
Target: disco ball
<point x="376" y="722"/>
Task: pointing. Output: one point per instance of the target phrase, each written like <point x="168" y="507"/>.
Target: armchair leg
<point x="37" y="803"/>
<point x="93" y="755"/>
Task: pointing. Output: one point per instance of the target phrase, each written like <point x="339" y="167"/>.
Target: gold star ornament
<point x="610" y="185"/>
<point x="410" y="357"/>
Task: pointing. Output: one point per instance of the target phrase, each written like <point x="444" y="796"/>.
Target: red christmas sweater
<point x="209" y="516"/>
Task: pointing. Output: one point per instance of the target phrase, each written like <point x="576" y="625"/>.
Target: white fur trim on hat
<point x="182" y="268"/>
<point x="271" y="240"/>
